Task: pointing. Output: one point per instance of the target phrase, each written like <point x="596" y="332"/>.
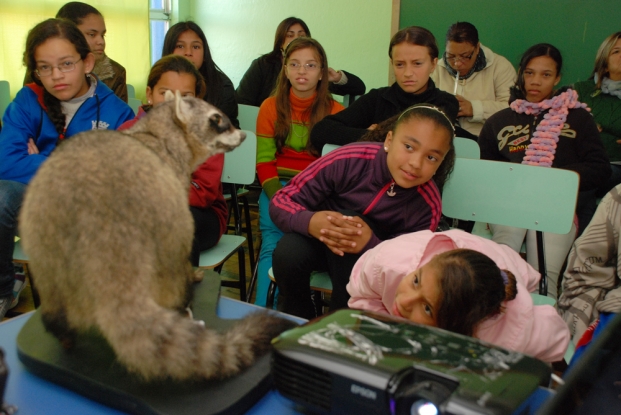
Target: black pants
<point x="296" y="256"/>
<point x="206" y="232"/>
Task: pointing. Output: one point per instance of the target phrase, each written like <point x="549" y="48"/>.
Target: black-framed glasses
<point x="46" y="70"/>
<point x="460" y="58"/>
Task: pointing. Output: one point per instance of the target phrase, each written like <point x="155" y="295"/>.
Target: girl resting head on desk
<point x="462" y="283"/>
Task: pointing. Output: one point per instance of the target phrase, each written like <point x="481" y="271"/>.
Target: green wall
<point x="354" y="34"/>
<point x="576" y="27"/>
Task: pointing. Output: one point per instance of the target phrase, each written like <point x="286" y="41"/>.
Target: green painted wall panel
<point x="509" y="27"/>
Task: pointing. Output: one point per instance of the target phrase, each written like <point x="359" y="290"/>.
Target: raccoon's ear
<point x="168" y="95"/>
<point x="183" y="110"/>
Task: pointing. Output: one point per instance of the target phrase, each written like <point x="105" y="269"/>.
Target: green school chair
<point x="247" y="117"/>
<point x="529" y="197"/>
<point x="5" y="96"/>
<point x="466" y="148"/>
<point x="131" y="91"/>
<point x="134" y="104"/>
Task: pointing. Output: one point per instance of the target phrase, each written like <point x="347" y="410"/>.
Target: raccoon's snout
<point x="219" y="123"/>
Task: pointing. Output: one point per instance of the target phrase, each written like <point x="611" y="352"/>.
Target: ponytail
<point x="510" y="285"/>
<point x="473" y="289"/>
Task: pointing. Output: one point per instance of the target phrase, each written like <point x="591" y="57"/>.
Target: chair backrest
<point x="247" y="117"/>
<point x="131" y="91"/>
<point x="328" y="148"/>
<point x="519" y="195"/>
<point x="134" y="104"/>
<point x="5" y="96"/>
<point x="240" y="163"/>
<point x="466" y="148"/>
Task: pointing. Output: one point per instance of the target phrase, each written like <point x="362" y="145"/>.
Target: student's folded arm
<point x="19" y="125"/>
<point x="354" y="86"/>
<point x="346" y="126"/>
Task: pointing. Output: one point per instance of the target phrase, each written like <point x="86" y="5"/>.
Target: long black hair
<point x="209" y="70"/>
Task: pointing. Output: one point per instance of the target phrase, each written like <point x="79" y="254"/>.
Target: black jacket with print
<point x="506" y="135"/>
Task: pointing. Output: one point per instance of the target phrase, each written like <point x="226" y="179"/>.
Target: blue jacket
<point x="26" y="118"/>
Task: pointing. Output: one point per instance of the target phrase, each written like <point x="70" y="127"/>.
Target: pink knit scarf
<point x="542" y="147"/>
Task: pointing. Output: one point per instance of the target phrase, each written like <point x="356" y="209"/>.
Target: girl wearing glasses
<point x="91" y="23"/>
<point x="63" y="100"/>
<point x="413" y="54"/>
<point x="283" y="124"/>
<point x="549" y="128"/>
<point x="188" y="39"/>
<point x="479" y="78"/>
<point x="260" y="79"/>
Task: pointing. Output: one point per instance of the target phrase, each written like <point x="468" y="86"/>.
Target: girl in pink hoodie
<point x="462" y="283"/>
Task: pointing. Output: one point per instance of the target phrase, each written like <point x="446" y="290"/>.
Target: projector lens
<point x="422" y="407"/>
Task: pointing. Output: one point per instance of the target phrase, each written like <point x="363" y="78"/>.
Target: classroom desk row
<point x="33" y="395"/>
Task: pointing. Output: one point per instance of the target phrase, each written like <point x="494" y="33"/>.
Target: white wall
<point x="354" y="33"/>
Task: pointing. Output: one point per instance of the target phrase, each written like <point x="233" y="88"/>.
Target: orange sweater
<point x="272" y="166"/>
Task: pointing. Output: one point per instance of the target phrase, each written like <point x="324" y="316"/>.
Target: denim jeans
<point x="270" y="235"/>
<point x="11" y="196"/>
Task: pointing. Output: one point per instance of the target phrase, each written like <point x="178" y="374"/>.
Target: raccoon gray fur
<point x="108" y="232"/>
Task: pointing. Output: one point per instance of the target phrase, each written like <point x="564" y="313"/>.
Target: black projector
<point x="359" y="362"/>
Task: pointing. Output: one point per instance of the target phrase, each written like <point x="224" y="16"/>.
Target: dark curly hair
<point x="48" y="29"/>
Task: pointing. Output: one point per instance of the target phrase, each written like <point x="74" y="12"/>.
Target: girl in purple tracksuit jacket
<point x="355" y="197"/>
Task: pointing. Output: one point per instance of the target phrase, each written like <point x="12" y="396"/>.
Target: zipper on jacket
<point x="378" y="196"/>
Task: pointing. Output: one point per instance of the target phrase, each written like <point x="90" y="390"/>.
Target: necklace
<point x="391" y="192"/>
<point x="303" y="127"/>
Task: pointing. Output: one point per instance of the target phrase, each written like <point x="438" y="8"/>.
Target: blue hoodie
<point x="26" y="118"/>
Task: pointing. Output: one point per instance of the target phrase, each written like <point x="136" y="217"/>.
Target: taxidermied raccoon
<point x="106" y="226"/>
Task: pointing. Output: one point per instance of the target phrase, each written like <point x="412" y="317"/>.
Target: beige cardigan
<point x="487" y="90"/>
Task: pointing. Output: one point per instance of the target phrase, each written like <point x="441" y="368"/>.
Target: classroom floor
<point x="230" y="270"/>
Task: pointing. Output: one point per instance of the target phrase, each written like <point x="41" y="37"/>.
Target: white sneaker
<point x="20" y="283"/>
<point x="5" y="302"/>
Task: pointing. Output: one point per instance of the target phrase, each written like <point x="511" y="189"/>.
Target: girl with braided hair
<point x="548" y="128"/>
<point x="63" y="100"/>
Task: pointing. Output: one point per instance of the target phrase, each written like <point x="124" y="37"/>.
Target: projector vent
<point x="301" y="382"/>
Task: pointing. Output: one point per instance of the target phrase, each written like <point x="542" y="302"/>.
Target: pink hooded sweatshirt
<point x="534" y="330"/>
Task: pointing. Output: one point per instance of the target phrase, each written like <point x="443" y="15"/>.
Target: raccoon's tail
<point x="158" y="343"/>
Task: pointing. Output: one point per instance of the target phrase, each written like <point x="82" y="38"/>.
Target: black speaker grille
<point x="301" y="382"/>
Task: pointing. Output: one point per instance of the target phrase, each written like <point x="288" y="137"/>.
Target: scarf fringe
<point x="542" y="147"/>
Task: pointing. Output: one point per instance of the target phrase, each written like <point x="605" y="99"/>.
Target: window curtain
<point x="127" y="38"/>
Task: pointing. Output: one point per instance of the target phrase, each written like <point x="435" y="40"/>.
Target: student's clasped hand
<point x="465" y="107"/>
<point x="341" y="234"/>
<point x="32" y="147"/>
